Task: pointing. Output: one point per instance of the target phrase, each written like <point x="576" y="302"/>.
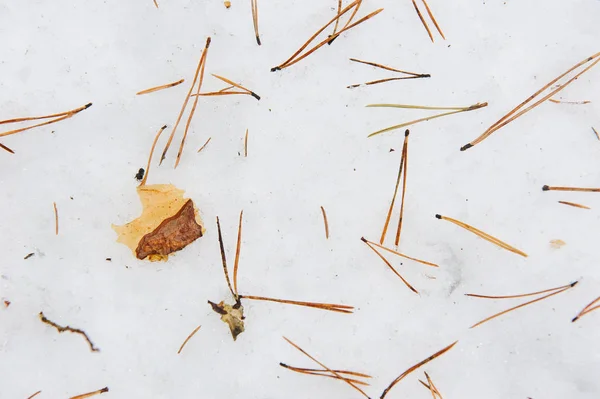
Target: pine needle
<point x="483" y="235"/>
<point x="162" y="87"/>
<point x="390" y="265"/>
<point x="205" y="144"/>
<point x="55" y="219"/>
<point x="90" y="394"/>
<point x="337" y="21"/>
<point x="324" y="306"/>
<point x="374" y="82"/>
<point x="59" y="117"/>
<point x="519" y="295"/>
<point x="399" y="254"/>
<point x="155" y="4"/>
<point x="399" y="229"/>
<point x="433" y="20"/>
<point x="224" y="260"/>
<point x="225" y="91"/>
<point x="255" y="20"/>
<point x="324" y="373"/>
<point x="569" y="102"/>
<point x="387" y="68"/>
<point x="6" y="148"/>
<point x="238" y="249"/>
<point x="162" y="129"/>
<point x="246" y="144"/>
<point x="391" y="208"/>
<point x="589" y="308"/>
<point x="574" y="204"/>
<point x="423" y="21"/>
<point x="596" y="133"/>
<point x="325" y="221"/>
<point x="188" y="338"/>
<point x="580" y="189"/>
<point x="34" y="395"/>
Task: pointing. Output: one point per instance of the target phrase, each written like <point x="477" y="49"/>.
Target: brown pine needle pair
<point x="403" y="167"/>
<point x="483" y="235"/>
<point x="371" y="245"/>
<point x="432" y="388"/>
<point x="332" y="373"/>
<point x="399" y="254"/>
<point x="227" y="91"/>
<point x="299" y="55"/>
<point x="188" y="338"/>
<point x="325" y="222"/>
<point x="574" y="204"/>
<point x="205" y="144"/>
<point x="416" y="366"/>
<point x="55" y="219"/>
<point x="453" y="110"/>
<point x="162" y="129"/>
<point x="324" y="373"/>
<point x="589" y="308"/>
<point x="62" y="329"/>
<point x="254" y="4"/>
<point x="161" y="87"/>
<point x="553" y="291"/>
<point x="198" y="77"/>
<point x="90" y="394"/>
<point x="411" y="75"/>
<point x="517" y="112"/>
<point x="569" y="102"/>
<point x="430" y="17"/>
<point x="580" y="189"/>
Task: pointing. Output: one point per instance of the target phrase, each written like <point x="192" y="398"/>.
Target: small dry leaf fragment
<point x="557" y="244"/>
<point x="233" y="316"/>
<point x="168" y="223"/>
<point x="90" y="394"/>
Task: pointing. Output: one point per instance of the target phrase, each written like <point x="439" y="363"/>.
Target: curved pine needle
<point x="391" y="208"/>
<point x="580" y="189"/>
<point x="161" y="87"/>
<point x="588" y="308"/>
<point x="62" y="116"/>
<point x="483" y="235"/>
<point x="205" y="144"/>
<point x="390" y="266"/>
<point x="325" y="222"/>
<point x="596" y="133"/>
<point x="522" y="305"/>
<point x="423" y="20"/>
<point x="90" y="394"/>
<point x="374" y="82"/>
<point x="433" y="20"/>
<point x="574" y="204"/>
<point x="34" y="395"/>
<point x="387" y="68"/>
<point x="162" y="129"/>
<point x="416" y="366"/>
<point x="327" y="368"/>
<point x="332" y="307"/>
<point x="519" y="295"/>
<point x="224" y="260"/>
<point x="188" y="338"/>
<point x="238" y="248"/>
<point x="55" y="219"/>
<point x="400" y="254"/>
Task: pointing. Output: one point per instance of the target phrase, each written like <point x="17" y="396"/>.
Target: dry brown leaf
<point x="233" y="316"/>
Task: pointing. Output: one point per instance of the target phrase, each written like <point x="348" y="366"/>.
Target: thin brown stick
<point x="595" y="132"/>
<point x="374" y="82"/>
<point x="391" y="208"/>
<point x="6" y="148"/>
<point x="390" y="266"/>
<point x="62" y="329"/>
<point x="327" y="368"/>
<point x="246" y="144"/>
<point x="483" y="235"/>
<point x="193" y="110"/>
<point x="34" y="395"/>
<point x="61" y="116"/>
<point x="416" y="366"/>
<point x="90" y="394"/>
<point x="161" y="87"/>
<point x="423" y="21"/>
<point x="224" y="260"/>
<point x="574" y="204"/>
<point x="519" y="295"/>
<point x="588" y="308"/>
<point x="405" y="149"/>
<point x="387" y="68"/>
<point x="581" y="189"/>
<point x="522" y="305"/>
<point x="322" y="373"/>
<point x="399" y="253"/>
<point x="433" y="20"/>
<point x="187" y="98"/>
<point x="326" y="223"/>
<point x="569" y="102"/>
<point x="238" y="248"/>
<point x="332" y="307"/>
<point x="188" y="338"/>
<point x="513" y="114"/>
<point x="205" y="144"/>
<point x="55" y="219"/>
<point x="155" y="3"/>
<point x="255" y="20"/>
<point x="162" y="129"/>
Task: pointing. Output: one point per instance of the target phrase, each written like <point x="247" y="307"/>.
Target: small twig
<point x="325" y="221"/>
<point x="59" y="117"/>
<point x="416" y="366"/>
<point x="255" y="20"/>
<point x="423" y="21"/>
<point x="574" y="204"/>
<point x="390" y="266"/>
<point x="246" y="144"/>
<point x="34" y="395"/>
<point x="399" y="254"/>
<point x="188" y="338"/>
<point x="162" y="87"/>
<point x="89" y="394"/>
<point x="55" y="219"/>
<point x="391" y="208"/>
<point x="332" y="307"/>
<point x="205" y="144"/>
<point x="162" y="129"/>
<point x="587" y="309"/>
<point x="62" y="329"/>
<point x="581" y="189"/>
<point x="483" y="235"/>
<point x="433" y="20"/>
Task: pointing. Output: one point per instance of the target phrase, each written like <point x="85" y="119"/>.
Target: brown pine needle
<point x="519" y="295"/>
<point x="296" y="57"/>
<point x="326" y="223"/>
<point x="188" y="338"/>
<point x="326" y="368"/>
<point x="162" y="129"/>
<point x="324" y="306"/>
<point x="457" y="110"/>
<point x="595" y="132"/>
<point x="523" y="304"/>
<point x="433" y="20"/>
<point x="255" y="20"/>
<point x="337" y="21"/>
<point x="6" y="148"/>
<point x="246" y="144"/>
<point x="483" y="235"/>
<point x="62" y="329"/>
<point x="155" y="3"/>
<point x="569" y="102"/>
<point x="374" y="82"/>
<point x="390" y="266"/>
<point x="55" y="219"/>
<point x="59" y="117"/>
<point x="513" y="114"/>
<point x="423" y="21"/>
<point x="400" y="254"/>
<point x="387" y="68"/>
<point x="34" y="395"/>
<point x="405" y="149"/>
<point x="238" y="249"/>
<point x="581" y="189"/>
<point x="232" y="83"/>
<point x="587" y="309"/>
<point x="391" y="208"/>
<point x="224" y="260"/>
<point x="416" y="366"/>
<point x="429" y="387"/>
<point x="187" y="98"/>
<point x="432" y="386"/>
<point x="225" y="91"/>
<point x="90" y="394"/>
<point x="193" y="110"/>
<point x="323" y="373"/>
<point x="205" y="144"/>
<point x="157" y="88"/>
<point x="574" y="204"/>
